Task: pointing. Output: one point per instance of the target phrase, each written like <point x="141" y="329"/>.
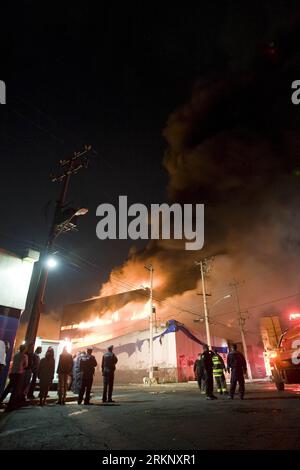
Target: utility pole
<point x="150" y="269"/>
<point x="241" y="322"/>
<point x="63" y="221"/>
<point x="203" y="269"/>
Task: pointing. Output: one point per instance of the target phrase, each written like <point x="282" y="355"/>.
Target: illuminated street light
<point x="227" y="296"/>
<point x="81" y="211"/>
<point x="51" y="262"/>
<point x="64" y="220"/>
<point x="206" y="317"/>
<point x="67" y="220"/>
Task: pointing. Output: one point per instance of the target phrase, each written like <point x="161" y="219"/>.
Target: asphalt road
<point x="161" y="418"/>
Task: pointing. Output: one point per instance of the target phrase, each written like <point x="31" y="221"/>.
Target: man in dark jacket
<point x="16" y="376"/>
<point x="237" y="366"/>
<point x="28" y="372"/>
<point x="64" y="370"/>
<point x="109" y="361"/>
<point x="34" y="367"/>
<point x="207" y="362"/>
<point x="199" y="373"/>
<point x="87" y="367"/>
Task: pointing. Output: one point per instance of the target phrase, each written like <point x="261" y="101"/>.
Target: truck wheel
<point x="280" y="386"/>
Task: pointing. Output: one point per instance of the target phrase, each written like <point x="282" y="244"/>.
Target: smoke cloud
<point x="49" y="327"/>
<point x="235" y="147"/>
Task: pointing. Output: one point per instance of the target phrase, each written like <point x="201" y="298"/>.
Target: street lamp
<point x="82" y="211"/>
<point x="51" y="262"/>
<point x="67" y="220"/>
<point x="227" y="296"/>
<point x="61" y="222"/>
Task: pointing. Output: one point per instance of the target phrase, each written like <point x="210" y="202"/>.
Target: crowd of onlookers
<point x="75" y="373"/>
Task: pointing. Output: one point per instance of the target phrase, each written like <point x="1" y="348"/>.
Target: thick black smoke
<point x="235" y="147"/>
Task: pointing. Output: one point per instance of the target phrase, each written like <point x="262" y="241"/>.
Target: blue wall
<point x="9" y="322"/>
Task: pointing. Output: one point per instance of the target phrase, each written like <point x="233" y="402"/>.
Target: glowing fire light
<point x="97" y="322"/>
<point x="109" y="325"/>
<point x="294" y="316"/>
<point x="67" y="344"/>
<point x="90" y="340"/>
<point x="133" y="312"/>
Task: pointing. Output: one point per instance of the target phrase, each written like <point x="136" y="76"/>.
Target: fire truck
<point x="283" y="360"/>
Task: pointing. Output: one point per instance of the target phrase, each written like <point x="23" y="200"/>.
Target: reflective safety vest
<point x="217" y="366"/>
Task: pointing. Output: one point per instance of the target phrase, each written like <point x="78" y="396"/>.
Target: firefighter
<point x="206" y="359"/>
<point x="199" y="374"/>
<point x="236" y="364"/>
<point x="218" y="373"/>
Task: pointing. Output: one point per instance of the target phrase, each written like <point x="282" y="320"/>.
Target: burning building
<point x="123" y="320"/>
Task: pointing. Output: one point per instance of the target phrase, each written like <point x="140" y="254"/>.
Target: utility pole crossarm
<point x="56" y="229"/>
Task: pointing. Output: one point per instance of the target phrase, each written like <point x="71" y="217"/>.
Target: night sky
<point x="111" y="77"/>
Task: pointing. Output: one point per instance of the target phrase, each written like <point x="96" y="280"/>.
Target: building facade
<point x="15" y="277"/>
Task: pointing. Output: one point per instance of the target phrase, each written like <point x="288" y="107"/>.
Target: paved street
<point x="164" y="417"/>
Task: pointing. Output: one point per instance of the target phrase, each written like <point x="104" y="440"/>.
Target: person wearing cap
<point x="199" y="373"/>
<point x="207" y="362"/>
<point x="109" y="361"/>
<point x="87" y="367"/>
<point x="34" y="367"/>
<point x="237" y="367"/>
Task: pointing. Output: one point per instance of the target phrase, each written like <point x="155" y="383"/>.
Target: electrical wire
<point x="114" y="279"/>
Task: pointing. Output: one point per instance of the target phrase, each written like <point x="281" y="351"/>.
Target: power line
<point x="252" y="307"/>
<point x="91" y="266"/>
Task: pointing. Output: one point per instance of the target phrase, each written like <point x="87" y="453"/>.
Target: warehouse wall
<point x="15" y="276"/>
<point x="132" y="351"/>
<point x="174" y="356"/>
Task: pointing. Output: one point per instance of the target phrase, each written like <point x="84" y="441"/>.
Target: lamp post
<point x="203" y="265"/>
<point x="241" y="323"/>
<point x="50" y="263"/>
<point x="63" y="221"/>
<point x="150" y="269"/>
